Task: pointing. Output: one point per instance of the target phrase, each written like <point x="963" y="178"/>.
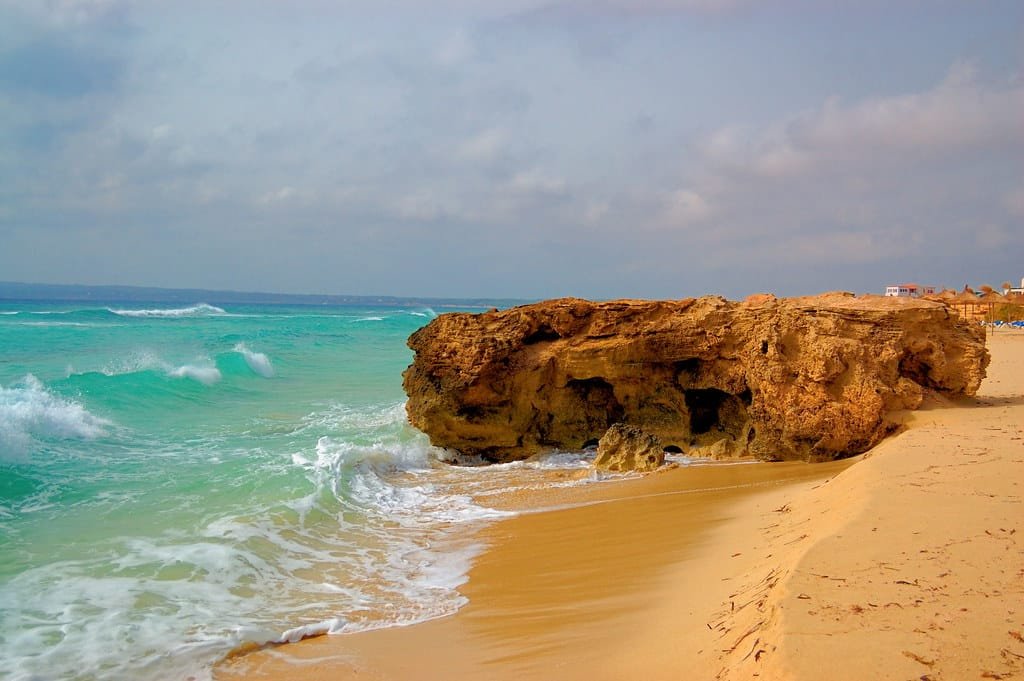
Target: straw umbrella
<point x="990" y="299"/>
<point x="965" y="298"/>
<point x="946" y="296"/>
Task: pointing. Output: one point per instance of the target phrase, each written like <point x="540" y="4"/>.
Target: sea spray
<point x="29" y="413"/>
<point x="258" y="362"/>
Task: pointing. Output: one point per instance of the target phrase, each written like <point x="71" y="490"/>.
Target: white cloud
<point x="1014" y="201"/>
<point x="456" y="49"/>
<point x="685" y="207"/>
<point x="422" y="205"/>
<point x="278" y="195"/>
<point x="536" y="183"/>
<point x="959" y="113"/>
<point x="486" y="145"/>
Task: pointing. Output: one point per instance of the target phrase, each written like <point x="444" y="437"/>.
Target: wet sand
<point x="904" y="563"/>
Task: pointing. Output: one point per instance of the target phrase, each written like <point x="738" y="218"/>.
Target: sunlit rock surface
<point x="810" y="378"/>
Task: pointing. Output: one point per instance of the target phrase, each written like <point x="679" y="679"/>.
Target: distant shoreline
<point x="28" y="292"/>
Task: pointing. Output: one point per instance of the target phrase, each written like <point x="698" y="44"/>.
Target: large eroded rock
<point x="801" y="378"/>
<point x="629" y="448"/>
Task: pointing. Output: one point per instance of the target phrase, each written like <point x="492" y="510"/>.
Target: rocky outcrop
<point x="628" y="448"/>
<point x="801" y="378"/>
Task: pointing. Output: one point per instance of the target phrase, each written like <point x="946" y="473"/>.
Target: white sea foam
<point x="425" y="312"/>
<point x="207" y="375"/>
<point x="258" y="362"/>
<point x="296" y="634"/>
<point x="369" y="319"/>
<point x="201" y="370"/>
<point x="363" y="476"/>
<point x="28" y="411"/>
<point x="55" y="324"/>
<point x="198" y="310"/>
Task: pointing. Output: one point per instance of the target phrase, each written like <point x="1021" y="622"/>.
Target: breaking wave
<point x="198" y="310"/>
<point x="29" y="413"/>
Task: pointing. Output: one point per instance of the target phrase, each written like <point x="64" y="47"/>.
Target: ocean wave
<point x="425" y="312"/>
<point x="258" y="362"/>
<point x="369" y="319"/>
<point x="296" y="634"/>
<point x="29" y="412"/>
<point x="63" y="324"/>
<point x="366" y="477"/>
<point x="198" y="310"/>
<point x="207" y="375"/>
<point x="201" y="370"/>
<point x="388" y="418"/>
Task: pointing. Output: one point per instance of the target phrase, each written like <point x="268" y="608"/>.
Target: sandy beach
<point x="903" y="563"/>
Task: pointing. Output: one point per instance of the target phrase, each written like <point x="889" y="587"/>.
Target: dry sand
<point x="905" y="563"/>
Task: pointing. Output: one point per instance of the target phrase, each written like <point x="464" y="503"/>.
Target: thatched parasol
<point x="990" y="299"/>
<point x="965" y="298"/>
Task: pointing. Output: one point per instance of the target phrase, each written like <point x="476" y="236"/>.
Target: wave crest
<point x="198" y="310"/>
<point x="28" y="411"/>
<point x="258" y="362"/>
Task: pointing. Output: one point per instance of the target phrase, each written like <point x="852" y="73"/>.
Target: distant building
<point x="1016" y="289"/>
<point x="909" y="290"/>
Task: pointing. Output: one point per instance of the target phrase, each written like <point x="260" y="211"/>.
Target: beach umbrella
<point x="965" y="298"/>
<point x="990" y="299"/>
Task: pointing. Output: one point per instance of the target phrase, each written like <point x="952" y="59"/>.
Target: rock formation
<point x="628" y="448"/>
<point x="802" y="378"/>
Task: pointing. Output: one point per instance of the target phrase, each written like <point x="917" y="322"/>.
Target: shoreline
<point x="888" y="562"/>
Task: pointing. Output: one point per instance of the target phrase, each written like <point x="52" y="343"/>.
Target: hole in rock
<point x="595" y="407"/>
<point x="673" y="449"/>
<point x="690" y="367"/>
<point x="764" y="347"/>
<point x="915" y="368"/>
<point x="703" y="404"/>
<point x="713" y="409"/>
<point x="541" y="335"/>
<point x="591" y="443"/>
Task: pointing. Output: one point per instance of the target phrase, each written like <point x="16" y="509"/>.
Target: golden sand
<point x="905" y="563"/>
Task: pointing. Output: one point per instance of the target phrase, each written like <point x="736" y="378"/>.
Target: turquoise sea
<point x="176" y="480"/>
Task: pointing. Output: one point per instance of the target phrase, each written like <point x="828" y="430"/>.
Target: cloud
<point x="1014" y="201"/>
<point x="457" y="48"/>
<point x="70" y="13"/>
<point x="685" y="207"/>
<point x="534" y="182"/>
<point x="960" y="113"/>
<point x="486" y="145"/>
<point x="49" y="66"/>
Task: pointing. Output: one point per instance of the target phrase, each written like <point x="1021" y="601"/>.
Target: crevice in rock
<point x="912" y="366"/>
<point x="686" y="370"/>
<point x="543" y="334"/>
<point x="595" y="404"/>
<point x="716" y="411"/>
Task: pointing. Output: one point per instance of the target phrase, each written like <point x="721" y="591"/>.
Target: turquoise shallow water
<point x="177" y="480"/>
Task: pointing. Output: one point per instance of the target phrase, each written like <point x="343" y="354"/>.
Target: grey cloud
<point x="51" y="67"/>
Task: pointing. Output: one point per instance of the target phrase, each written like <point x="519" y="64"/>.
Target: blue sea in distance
<point x="180" y="479"/>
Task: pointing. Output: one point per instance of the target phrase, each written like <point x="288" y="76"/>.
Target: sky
<point x="513" y="148"/>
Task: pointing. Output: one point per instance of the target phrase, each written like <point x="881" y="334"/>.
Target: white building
<point x="1016" y="289"/>
<point x="909" y="290"/>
